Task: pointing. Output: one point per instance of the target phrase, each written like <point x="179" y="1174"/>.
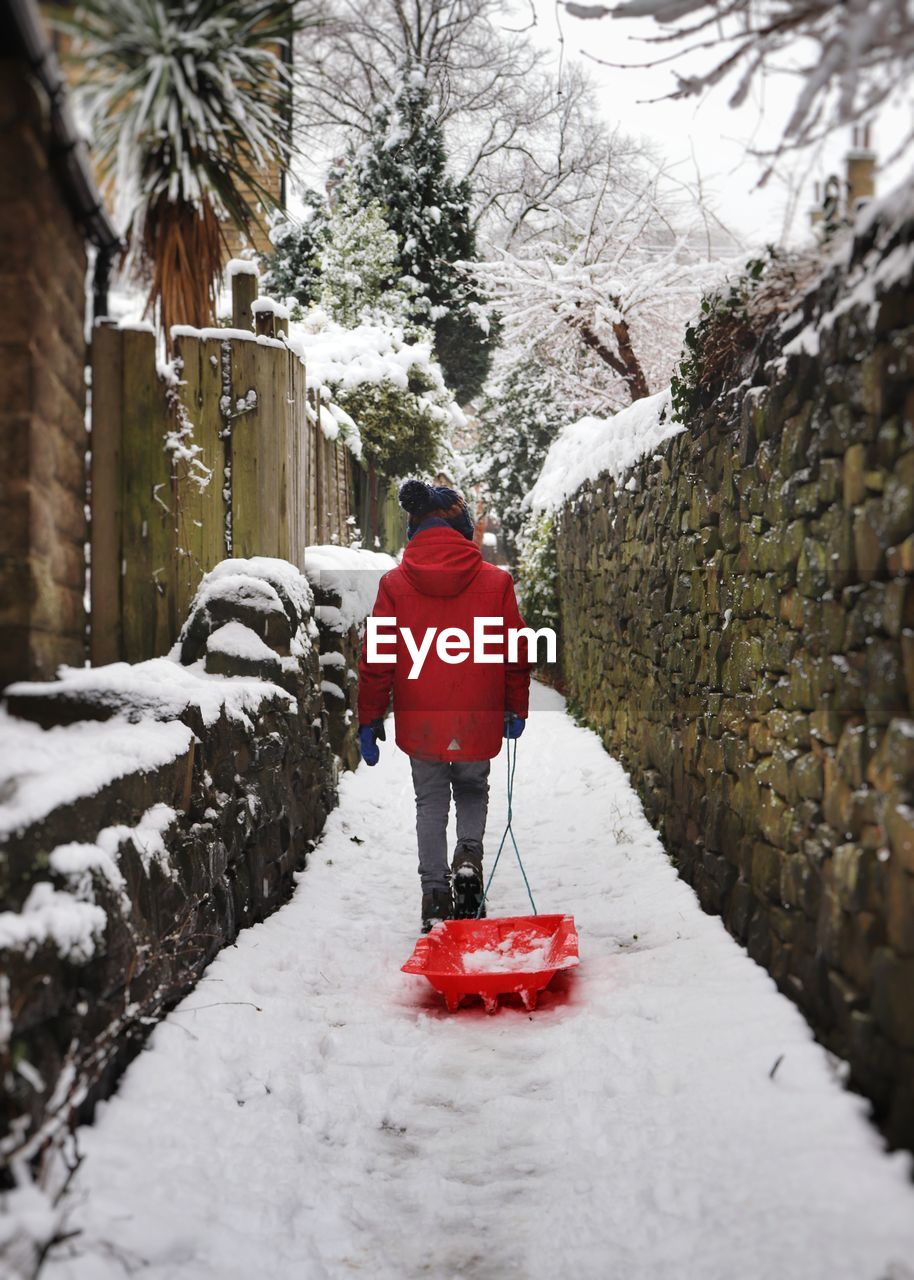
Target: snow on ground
<point x="309" y="1111"/>
<point x="594" y="446"/>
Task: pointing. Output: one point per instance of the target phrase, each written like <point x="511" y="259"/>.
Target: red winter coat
<point x="450" y="711"/>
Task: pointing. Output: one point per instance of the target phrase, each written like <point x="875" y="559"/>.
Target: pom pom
<point x="416" y="498"/>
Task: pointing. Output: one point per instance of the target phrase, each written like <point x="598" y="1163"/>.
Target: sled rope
<point x="511" y="757"/>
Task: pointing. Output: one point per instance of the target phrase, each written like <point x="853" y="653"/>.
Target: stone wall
<point x="199" y="788"/>
<point x="339" y="681"/>
<point x="738" y="625"/>
<point x="42" y="427"/>
<point x="345" y="584"/>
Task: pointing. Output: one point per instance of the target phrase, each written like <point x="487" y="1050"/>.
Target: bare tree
<point x="521" y="138"/>
<point x="549" y="154"/>
<point x="860" y="53"/>
<point x="603" y="299"/>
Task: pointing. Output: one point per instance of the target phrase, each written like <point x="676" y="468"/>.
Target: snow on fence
<point x="218" y="454"/>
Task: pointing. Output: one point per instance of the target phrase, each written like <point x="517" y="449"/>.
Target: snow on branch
<point x="187" y="105"/>
<point x="608" y="291"/>
<point x="856" y="56"/>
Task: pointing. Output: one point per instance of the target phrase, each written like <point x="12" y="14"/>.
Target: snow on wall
<point x="142" y="839"/>
<point x="262" y="590"/>
<point x="873" y="258"/>
<point x="266" y="576"/>
<point x="350" y="573"/>
<point x="78" y="863"/>
<point x="160" y="688"/>
<point x="594" y="446"/>
<point x="52" y="915"/>
<point x="345" y="582"/>
<point x="237" y="640"/>
<point x="42" y="769"/>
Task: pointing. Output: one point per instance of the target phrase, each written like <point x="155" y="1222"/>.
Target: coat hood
<point x="440" y="562"/>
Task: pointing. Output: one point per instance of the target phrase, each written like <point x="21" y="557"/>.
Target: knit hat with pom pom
<point x="429" y="501"/>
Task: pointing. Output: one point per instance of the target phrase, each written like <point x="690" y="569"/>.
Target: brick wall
<point x="42" y="397"/>
<point x="739" y="628"/>
<point x="270" y="179"/>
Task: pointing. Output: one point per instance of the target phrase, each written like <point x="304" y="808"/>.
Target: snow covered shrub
<point x="389" y="385"/>
<point x="730" y="323"/>
<point x="401" y="431"/>
<point x="187" y="102"/>
<point x="292" y="270"/>
<point x="538" y="572"/>
<point x="519" y="418"/>
<point x="360" y="273"/>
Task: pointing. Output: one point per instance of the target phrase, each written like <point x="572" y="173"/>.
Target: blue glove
<point x="514" y="725"/>
<point x="369" y="736"/>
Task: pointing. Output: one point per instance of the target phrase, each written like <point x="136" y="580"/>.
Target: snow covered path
<point x="309" y="1111"/>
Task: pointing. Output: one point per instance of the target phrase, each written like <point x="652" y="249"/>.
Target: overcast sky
<point x="719" y="138"/>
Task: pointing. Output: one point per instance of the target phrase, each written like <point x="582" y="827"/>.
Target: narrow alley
<point x="310" y="1111"/>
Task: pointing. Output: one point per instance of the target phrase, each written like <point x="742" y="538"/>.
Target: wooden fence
<point x="378" y="513"/>
<point x="227" y="461"/>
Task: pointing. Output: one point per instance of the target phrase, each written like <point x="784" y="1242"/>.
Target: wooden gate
<point x="223" y="460"/>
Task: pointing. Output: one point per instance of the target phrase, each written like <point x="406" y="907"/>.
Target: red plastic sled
<point x="489" y="958"/>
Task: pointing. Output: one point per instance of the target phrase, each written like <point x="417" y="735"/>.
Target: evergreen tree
<point x="293" y="269"/>
<point x="360" y="263"/>
<point x="404" y="167"/>
<point x="521" y="415"/>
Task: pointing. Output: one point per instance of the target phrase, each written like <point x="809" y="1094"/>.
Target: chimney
<point x="816" y="213"/>
<point x="861" y="169"/>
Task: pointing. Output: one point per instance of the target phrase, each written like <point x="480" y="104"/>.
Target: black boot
<point x="468" y="884"/>
<point x="437" y="905"/>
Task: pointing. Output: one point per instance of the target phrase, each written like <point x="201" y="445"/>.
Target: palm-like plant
<point x="187" y="102"/>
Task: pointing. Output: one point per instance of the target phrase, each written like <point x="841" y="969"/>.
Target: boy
<point x="451" y="711"/>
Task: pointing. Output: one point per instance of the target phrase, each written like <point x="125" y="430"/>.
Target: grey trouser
<point x="433" y="780"/>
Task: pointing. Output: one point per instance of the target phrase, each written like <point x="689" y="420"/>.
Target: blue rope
<point x="511" y="758"/>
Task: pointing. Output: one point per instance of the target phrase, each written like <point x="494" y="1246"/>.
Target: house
<point x="53" y="230"/>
